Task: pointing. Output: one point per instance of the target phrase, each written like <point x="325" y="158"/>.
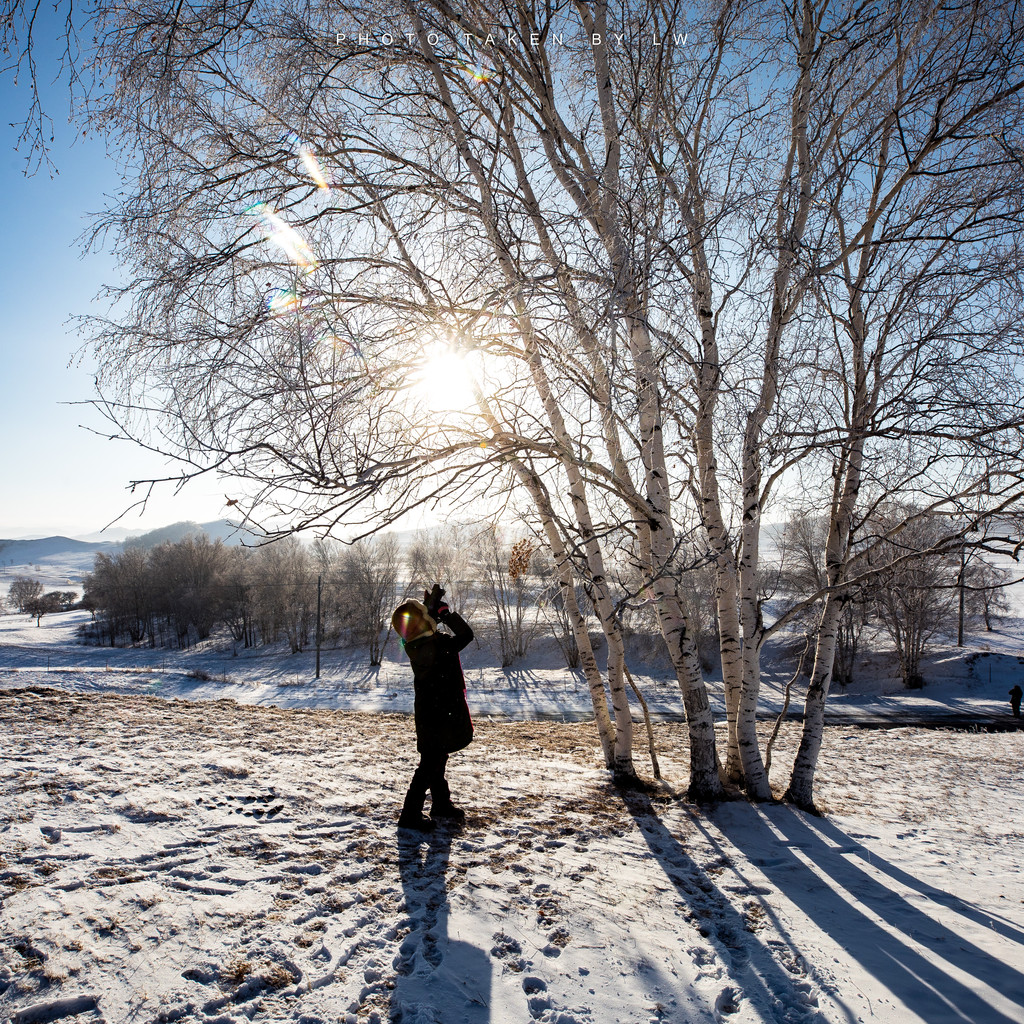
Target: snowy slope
<point x="183" y="861"/>
<point x="195" y="836"/>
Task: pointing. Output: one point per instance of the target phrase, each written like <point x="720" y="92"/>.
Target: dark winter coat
<point x="442" y="715"/>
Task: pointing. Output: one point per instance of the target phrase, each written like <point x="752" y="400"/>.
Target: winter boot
<point x="441" y="805"/>
<point x="448" y="811"/>
<point x="417" y="821"/>
<point x="412" y="816"/>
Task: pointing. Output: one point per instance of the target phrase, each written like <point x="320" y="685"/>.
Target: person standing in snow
<point x="443" y="723"/>
<point x="1015" y="695"/>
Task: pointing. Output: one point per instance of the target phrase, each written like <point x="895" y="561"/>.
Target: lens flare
<point x="279" y="301"/>
<point x="404" y="622"/>
<point x="287" y="238"/>
<point x="307" y="155"/>
<point x="282" y="300"/>
<point x="341" y="344"/>
<point x="410" y="624"/>
<point x="312" y="166"/>
<point x="478" y="70"/>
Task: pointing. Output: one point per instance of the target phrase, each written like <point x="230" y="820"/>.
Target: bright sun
<point x="445" y="381"/>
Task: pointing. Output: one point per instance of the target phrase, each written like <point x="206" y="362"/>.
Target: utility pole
<point x="960" y="584"/>
<point x="319" y="621"/>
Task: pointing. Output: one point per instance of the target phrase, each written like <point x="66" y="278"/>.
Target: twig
<point x="647" y="719"/>
<point x="785" y="707"/>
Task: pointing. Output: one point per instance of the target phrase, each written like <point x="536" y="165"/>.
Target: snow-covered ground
<point x="970" y="683"/>
<point x="175" y="848"/>
<point x="186" y="861"/>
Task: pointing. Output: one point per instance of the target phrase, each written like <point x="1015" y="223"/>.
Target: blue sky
<point x="54" y="476"/>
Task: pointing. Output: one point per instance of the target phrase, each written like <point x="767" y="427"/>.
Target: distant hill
<point x="46" y="549"/>
<point x="220" y="529"/>
<point x="28" y="552"/>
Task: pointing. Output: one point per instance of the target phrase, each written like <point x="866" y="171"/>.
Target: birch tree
<point x="678" y="276"/>
<point x="918" y="268"/>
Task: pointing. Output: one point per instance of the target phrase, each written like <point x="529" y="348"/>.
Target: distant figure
<point x="1015" y="695"/>
<point x="443" y="724"/>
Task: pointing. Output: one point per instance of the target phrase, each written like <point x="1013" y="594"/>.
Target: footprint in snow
<point x="727" y="1003"/>
<point x="405" y="961"/>
<point x="250" y="805"/>
<point x="537" y="999"/>
<point x="544" y="1009"/>
<point x="430" y="951"/>
<point x="507" y="950"/>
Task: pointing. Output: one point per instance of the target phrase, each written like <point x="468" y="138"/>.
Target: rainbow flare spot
<point x="287" y="238"/>
<point x="282" y="300"/>
<point x="307" y="155"/>
<point x="411" y="622"/>
<point x="478" y="71"/>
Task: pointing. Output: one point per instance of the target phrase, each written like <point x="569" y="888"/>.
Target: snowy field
<point x="223" y="849"/>
<point x="968" y="684"/>
<point x="217" y="862"/>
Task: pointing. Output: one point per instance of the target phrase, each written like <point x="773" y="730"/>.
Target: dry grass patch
<point x="235" y="971"/>
<point x="278" y="976"/>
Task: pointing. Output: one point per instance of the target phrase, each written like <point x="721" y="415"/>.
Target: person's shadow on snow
<point x="437" y="978"/>
<point x="911" y="951"/>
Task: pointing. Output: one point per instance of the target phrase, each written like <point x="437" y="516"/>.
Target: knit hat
<point x="412" y="621"/>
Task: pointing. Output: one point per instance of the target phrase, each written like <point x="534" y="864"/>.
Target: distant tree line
<point x="916" y="583"/>
<point x="26" y="595"/>
<point x="178" y="593"/>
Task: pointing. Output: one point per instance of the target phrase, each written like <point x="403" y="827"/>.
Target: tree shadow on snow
<point x="365" y="678"/>
<point x="519" y="678"/>
<point x="895" y="941"/>
<point x="845" y="845"/>
<point x="437" y="978"/>
<point x="766" y="983"/>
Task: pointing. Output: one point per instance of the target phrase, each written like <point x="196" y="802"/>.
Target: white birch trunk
<point x="719" y="541"/>
<point x="863" y="404"/>
<point x="591" y="671"/>
<point x="658" y="535"/>
<point x="801" y="785"/>
<point x="603" y="606"/>
<point x="707" y="382"/>
<point x="657" y="544"/>
<point x="755" y="778"/>
<point x="609" y="736"/>
<point x="784" y="298"/>
<point x="681" y="643"/>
